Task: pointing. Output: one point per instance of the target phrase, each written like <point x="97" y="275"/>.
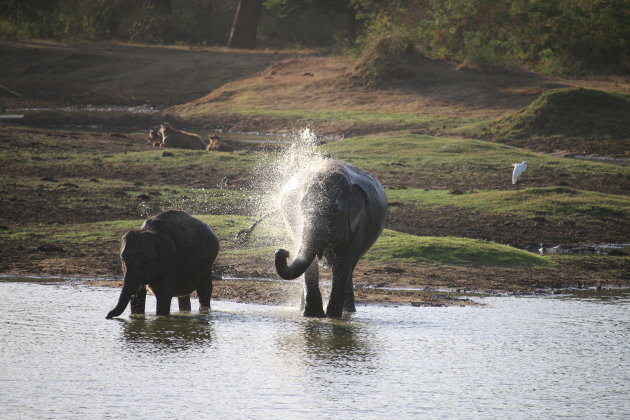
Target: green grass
<point x="554" y="202"/>
<point x="97" y="195"/>
<point x="390" y="118"/>
<point x="573" y="112"/>
<point x="456" y="159"/>
<point x="392" y="246"/>
<point x="403" y="247"/>
<point x="152" y="160"/>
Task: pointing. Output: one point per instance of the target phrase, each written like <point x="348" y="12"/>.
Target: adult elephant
<point x="172" y="253"/>
<point x="336" y="212"/>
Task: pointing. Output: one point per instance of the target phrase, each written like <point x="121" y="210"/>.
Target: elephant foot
<point x="314" y="313"/>
<point x="349" y="307"/>
<point x="204" y="309"/>
<point x="335" y="315"/>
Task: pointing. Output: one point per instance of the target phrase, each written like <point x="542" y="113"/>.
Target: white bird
<point x="519" y="168"/>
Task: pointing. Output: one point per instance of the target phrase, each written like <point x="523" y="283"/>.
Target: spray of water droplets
<point x="275" y="170"/>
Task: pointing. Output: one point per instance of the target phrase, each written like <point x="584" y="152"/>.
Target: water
<point x="534" y="357"/>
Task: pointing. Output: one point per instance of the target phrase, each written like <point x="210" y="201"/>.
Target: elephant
<point x="336" y="212"/>
<point x="172" y="253"/>
<point x="172" y="137"/>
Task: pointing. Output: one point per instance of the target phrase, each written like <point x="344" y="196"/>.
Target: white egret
<point x="519" y="168"/>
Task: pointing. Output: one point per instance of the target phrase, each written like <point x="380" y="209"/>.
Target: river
<point x="513" y="357"/>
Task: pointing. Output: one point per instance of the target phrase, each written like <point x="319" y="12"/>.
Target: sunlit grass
<point x="448" y="156"/>
<point x="98" y="195"/>
<point x="396" y="246"/>
<point x="390" y="118"/>
<point x="391" y="247"/>
<point x="554" y="202"/>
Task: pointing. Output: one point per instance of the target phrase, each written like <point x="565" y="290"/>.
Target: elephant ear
<point x="358" y="211"/>
<point x="166" y="254"/>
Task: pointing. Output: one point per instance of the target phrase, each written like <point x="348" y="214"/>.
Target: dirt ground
<point x="46" y="74"/>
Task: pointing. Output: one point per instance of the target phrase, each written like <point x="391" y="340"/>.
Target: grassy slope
<point x="555" y="202"/>
<point x="391" y="247"/>
<point x="571" y="112"/>
<point x="452" y="157"/>
<point x="413" y="153"/>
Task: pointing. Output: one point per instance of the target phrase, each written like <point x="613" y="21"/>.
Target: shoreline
<point x="287" y="293"/>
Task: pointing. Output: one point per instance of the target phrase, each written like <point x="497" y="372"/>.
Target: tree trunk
<point x="351" y="14"/>
<point x="245" y="25"/>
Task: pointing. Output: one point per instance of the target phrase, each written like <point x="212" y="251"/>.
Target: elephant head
<point x="331" y="208"/>
<point x="140" y="262"/>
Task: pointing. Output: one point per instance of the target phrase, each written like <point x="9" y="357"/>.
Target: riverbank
<point x="69" y="190"/>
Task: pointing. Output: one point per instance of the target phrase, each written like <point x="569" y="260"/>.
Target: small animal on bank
<point x="519" y="168"/>
<point x="172" y="254"/>
<point x="154" y="138"/>
<point x="172" y="137"/>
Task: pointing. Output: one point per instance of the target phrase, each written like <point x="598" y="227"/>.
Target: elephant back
<point x="195" y="241"/>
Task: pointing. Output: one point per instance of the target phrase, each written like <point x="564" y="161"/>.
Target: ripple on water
<point x="512" y="358"/>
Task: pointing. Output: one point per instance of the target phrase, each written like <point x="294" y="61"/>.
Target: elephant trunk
<point x="305" y="257"/>
<point x="129" y="288"/>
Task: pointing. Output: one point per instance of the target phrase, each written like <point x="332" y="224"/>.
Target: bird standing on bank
<point x="519" y="168"/>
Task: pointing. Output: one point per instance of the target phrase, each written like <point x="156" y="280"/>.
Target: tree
<point x="163" y="6"/>
<point x="245" y="25"/>
<point x="348" y="7"/>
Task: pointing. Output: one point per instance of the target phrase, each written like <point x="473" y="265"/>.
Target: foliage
<point x="549" y="36"/>
<point x="187" y="21"/>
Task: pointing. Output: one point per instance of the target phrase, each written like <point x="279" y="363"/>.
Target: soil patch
<point x="47" y="73"/>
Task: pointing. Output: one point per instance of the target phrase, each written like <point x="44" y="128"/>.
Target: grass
<point x="403" y="247"/>
<point x="558" y="203"/>
<point x="356" y="116"/>
<point x="410" y="152"/>
<point x="98" y="195"/>
<point x="152" y="160"/>
<point x="269" y="235"/>
<point x="441" y="160"/>
<point x="573" y="112"/>
<point x="119" y="204"/>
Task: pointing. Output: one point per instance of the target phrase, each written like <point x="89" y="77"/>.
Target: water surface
<point x="515" y="357"/>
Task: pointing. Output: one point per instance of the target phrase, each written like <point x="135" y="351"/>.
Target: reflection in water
<point x="598" y="294"/>
<point x="337" y="344"/>
<point x="170" y="334"/>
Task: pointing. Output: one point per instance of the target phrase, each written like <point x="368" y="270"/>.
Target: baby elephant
<point x="172" y="253"/>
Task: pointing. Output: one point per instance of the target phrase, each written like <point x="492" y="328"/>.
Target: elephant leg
<point x="313" y="306"/>
<point x="184" y="303"/>
<point x="341" y="271"/>
<point x="163" y="305"/>
<point x="138" y="301"/>
<point x="204" y="292"/>
<point x="348" y="304"/>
